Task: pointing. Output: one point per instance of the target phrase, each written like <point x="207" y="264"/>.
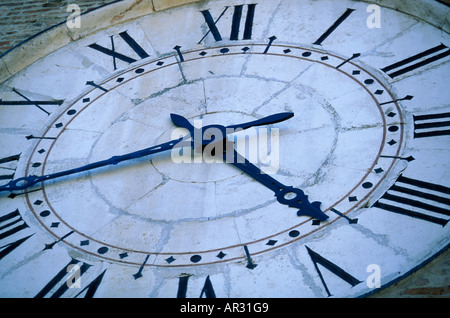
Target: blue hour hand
<point x="288" y="195"/>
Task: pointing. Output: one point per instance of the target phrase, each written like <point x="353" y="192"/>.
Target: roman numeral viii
<point x="417" y="199"/>
<point x="235" y="23"/>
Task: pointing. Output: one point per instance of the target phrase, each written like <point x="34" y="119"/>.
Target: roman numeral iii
<point x="418" y="199"/>
<point x="418" y="60"/>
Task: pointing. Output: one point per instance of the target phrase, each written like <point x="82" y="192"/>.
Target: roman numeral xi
<point x="116" y="55"/>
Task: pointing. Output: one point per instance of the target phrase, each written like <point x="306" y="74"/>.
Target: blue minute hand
<point x="288" y="195"/>
<point x="26" y="182"/>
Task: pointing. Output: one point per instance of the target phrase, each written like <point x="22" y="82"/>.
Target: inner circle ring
<point x="235" y="251"/>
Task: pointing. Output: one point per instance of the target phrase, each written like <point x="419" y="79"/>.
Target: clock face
<point x="367" y="147"/>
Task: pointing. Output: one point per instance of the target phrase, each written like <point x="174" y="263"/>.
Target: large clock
<point x="230" y="148"/>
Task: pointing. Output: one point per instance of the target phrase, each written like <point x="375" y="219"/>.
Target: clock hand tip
<point x="289" y="115"/>
<point x="313" y="209"/>
<point x="180" y="121"/>
<point x="279" y="117"/>
<point x="174" y="116"/>
<point x="321" y="216"/>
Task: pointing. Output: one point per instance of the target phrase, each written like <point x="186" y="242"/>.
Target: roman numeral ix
<point x="63" y="278"/>
<point x="10" y="224"/>
<point x="431" y="125"/>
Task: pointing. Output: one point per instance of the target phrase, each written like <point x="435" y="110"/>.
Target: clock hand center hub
<point x="200" y="164"/>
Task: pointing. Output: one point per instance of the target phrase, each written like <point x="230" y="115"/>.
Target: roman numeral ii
<point x="235" y="24"/>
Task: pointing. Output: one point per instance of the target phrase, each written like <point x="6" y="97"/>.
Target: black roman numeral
<point x="63" y="281"/>
<point x="318" y="259"/>
<point x="27" y="101"/>
<point x="334" y="26"/>
<point x="5" y="165"/>
<point x="235" y="24"/>
<point x="115" y="55"/>
<point x="207" y="290"/>
<point x="421" y="59"/>
<point x="11" y="224"/>
<point x="431" y="125"/>
<point x="248" y="27"/>
<point x="408" y="196"/>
